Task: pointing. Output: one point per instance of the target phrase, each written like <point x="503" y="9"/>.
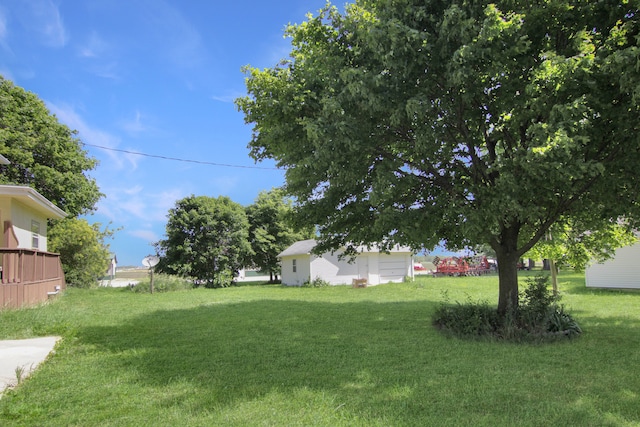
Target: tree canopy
<point x="47" y="155"/>
<point x="207" y="240"/>
<point x="576" y="250"/>
<point x="271" y="230"/>
<point x="84" y="253"/>
<point x="44" y="153"/>
<point x="413" y="121"/>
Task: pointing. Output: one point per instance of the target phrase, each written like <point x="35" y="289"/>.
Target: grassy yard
<point x="336" y="356"/>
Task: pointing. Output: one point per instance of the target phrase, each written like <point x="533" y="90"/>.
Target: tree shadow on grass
<point x="237" y="352"/>
<point x="382" y="363"/>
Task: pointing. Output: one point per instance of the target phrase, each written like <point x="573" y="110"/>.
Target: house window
<point x="35" y="234"/>
<point x="294" y="266"/>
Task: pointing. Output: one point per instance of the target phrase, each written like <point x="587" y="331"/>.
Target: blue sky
<point x="151" y="76"/>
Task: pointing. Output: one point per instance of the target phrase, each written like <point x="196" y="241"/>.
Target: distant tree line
<point x="211" y="239"/>
<point x="208" y="239"/>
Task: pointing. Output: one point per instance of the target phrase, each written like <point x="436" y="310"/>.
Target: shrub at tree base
<point x="539" y="317"/>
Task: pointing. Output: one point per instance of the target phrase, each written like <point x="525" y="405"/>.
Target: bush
<point x="539" y="317"/>
<point x="316" y="283"/>
<point x="83" y="252"/>
<point x="470" y="319"/>
<point x="163" y="283"/>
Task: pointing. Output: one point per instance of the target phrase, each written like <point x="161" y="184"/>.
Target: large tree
<point x="44" y="153"/>
<point x="271" y="230"/>
<point x="412" y="121"/>
<point x="207" y="240"/>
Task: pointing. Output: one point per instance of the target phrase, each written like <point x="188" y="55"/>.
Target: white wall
<point x="376" y="267"/>
<point x="21" y="217"/>
<point x="622" y="271"/>
<point x="302" y="273"/>
<point x="335" y="271"/>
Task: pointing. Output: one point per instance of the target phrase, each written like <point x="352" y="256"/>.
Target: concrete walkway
<point x="21" y="357"/>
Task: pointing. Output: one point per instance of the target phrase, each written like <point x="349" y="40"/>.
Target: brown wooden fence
<point x="29" y="277"/>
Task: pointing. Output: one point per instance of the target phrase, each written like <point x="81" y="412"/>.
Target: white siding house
<point x="113" y="266"/>
<point x="621" y="271"/>
<point x="24" y="213"/>
<point x="29" y="274"/>
<point x="299" y="265"/>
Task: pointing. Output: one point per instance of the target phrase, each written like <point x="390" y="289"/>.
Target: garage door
<point x="392" y="268"/>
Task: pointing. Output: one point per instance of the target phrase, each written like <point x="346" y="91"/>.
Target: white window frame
<point x="35" y="234"/>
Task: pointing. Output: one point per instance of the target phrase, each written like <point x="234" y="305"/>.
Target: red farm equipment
<point x="462" y="266"/>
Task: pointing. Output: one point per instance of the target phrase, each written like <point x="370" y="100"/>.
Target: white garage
<point x="619" y="272"/>
<point x="299" y="265"/>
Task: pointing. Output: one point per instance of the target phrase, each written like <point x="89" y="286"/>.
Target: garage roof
<point x="304" y="247"/>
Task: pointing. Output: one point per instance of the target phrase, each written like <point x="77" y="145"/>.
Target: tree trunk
<point x="507" y="256"/>
<point x="508" y="282"/>
<point x="554" y="277"/>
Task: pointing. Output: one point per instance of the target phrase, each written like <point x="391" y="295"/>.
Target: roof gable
<point x="304" y="247"/>
<point x="31" y="198"/>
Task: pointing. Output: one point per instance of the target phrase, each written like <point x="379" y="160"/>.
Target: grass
<point x="331" y="356"/>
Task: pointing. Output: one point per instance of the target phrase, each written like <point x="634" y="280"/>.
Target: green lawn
<point x="336" y="356"/>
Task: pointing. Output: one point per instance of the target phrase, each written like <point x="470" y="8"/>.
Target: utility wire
<point x="137" y="153"/>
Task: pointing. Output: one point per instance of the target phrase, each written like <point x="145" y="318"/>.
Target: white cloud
<point x="133" y="190"/>
<point x="165" y="201"/>
<point x="104" y="209"/>
<point x="147" y="235"/>
<point x="46" y="19"/>
<point x="3" y="26"/>
<point x="4" y="31"/>
<point x="178" y="38"/>
<point x="119" y="160"/>
<point x="126" y="203"/>
<point x="135" y="125"/>
<point x="6" y="74"/>
<point x="99" y="55"/>
<point x="225" y="184"/>
<point x="228" y="98"/>
<point x="107" y="70"/>
<point x="134" y="206"/>
<point x="94" y="47"/>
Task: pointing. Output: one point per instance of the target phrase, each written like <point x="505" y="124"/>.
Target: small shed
<point x="299" y="265"/>
<point x="620" y="272"/>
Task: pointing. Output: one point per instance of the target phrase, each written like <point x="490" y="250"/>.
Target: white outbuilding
<point x="620" y="272"/>
<point x="371" y="266"/>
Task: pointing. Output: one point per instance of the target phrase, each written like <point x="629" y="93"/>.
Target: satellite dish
<point x="150" y="261"/>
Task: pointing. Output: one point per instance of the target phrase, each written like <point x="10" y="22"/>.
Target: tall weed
<point x="163" y="283"/>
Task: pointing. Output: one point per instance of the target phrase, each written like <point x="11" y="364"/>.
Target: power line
<point x="176" y="159"/>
